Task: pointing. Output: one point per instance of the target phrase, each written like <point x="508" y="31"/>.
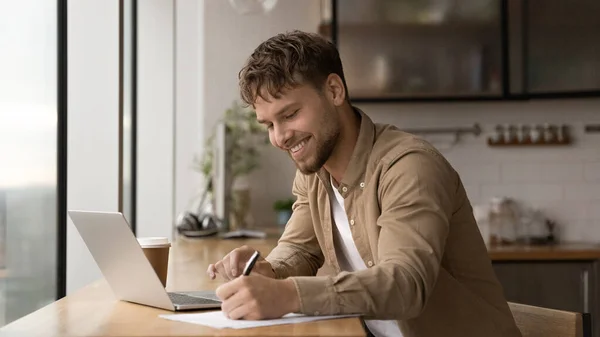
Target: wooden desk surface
<point x="94" y="311"/>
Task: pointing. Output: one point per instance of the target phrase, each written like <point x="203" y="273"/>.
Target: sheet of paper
<point x="216" y="319"/>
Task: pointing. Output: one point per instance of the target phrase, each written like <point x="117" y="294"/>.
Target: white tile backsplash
<point x="564" y="211"/>
<point x="593" y="210"/>
<point x="562" y="181"/>
<point x="583" y="192"/>
<point x="591" y="172"/>
<point x="478" y="173"/>
<point x="473" y="191"/>
<point x="523" y="192"/>
<point x="577" y="230"/>
<point x="541" y="172"/>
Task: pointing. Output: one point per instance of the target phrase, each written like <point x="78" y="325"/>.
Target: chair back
<point x="545" y="322"/>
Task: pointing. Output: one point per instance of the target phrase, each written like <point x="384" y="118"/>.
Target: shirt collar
<point x="360" y="156"/>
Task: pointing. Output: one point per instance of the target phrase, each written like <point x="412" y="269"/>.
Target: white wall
<point x="189" y="54"/>
<point x="229" y="39"/>
<point x="92" y="124"/>
<point x="189" y="93"/>
<point x="155" y="113"/>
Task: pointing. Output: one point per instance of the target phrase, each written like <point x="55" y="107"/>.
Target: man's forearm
<point x="288" y="260"/>
<point x="387" y="291"/>
<point x="264" y="268"/>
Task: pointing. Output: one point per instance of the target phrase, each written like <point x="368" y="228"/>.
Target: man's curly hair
<point x="287" y="60"/>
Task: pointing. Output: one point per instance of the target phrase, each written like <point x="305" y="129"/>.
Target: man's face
<point x="303" y="123"/>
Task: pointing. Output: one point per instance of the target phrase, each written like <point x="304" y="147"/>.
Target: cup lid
<point x="153" y="241"/>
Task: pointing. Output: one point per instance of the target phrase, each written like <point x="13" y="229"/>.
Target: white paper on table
<point x="216" y="319"/>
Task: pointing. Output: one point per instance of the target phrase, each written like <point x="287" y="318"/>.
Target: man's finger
<point x="227" y="266"/>
<point x="228" y="289"/>
<point x="233" y="302"/>
<point x="221" y="270"/>
<point x="234" y="260"/>
<point x="211" y="271"/>
<point x="244" y="311"/>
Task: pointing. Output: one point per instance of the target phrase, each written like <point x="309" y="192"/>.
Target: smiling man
<point x="382" y="207"/>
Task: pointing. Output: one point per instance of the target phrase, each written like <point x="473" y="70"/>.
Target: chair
<point x="544" y="322"/>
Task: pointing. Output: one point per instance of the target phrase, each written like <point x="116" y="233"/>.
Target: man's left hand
<point x="256" y="297"/>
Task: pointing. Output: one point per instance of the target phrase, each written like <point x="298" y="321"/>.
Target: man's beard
<point x="323" y="151"/>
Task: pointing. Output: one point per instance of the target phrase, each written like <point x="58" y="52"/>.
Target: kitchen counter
<point x="564" y="276"/>
<point x="560" y="251"/>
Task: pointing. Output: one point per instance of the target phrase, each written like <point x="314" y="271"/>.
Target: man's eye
<point x="290" y="116"/>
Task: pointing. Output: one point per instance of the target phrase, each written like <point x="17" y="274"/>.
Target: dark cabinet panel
<point x="553" y="285"/>
<point x="563" y="50"/>
<point x="569" y="285"/>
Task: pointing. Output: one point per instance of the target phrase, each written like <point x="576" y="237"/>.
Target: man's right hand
<point x="232" y="265"/>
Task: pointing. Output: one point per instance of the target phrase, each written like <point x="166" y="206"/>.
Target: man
<point x="383" y="208"/>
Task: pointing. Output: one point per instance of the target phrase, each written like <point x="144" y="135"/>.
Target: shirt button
<point x="370" y="263"/>
<point x="362" y="185"/>
<point x="352" y="222"/>
<point x="344" y="189"/>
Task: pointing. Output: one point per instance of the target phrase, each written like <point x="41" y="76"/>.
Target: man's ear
<point x="334" y="87"/>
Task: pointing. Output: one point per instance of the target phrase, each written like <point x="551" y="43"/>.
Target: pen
<point x="250" y="263"/>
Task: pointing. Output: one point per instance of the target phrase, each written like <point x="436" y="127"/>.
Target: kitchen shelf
<point x="529" y="143"/>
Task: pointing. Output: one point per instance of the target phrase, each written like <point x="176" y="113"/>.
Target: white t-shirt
<point x="349" y="260"/>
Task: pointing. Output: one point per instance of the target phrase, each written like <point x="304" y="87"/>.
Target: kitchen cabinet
<point x="563" y="285"/>
<point x="561" y="48"/>
<point x="465" y="50"/>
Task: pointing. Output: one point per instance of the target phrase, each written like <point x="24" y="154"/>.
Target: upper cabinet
<point x="465" y="49"/>
<point x="563" y="46"/>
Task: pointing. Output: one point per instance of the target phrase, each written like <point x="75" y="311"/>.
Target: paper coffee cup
<point x="156" y="250"/>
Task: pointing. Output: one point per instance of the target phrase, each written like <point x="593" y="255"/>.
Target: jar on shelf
<point x="536" y="134"/>
<point x="498" y="136"/>
<point x="503" y="221"/>
<point x="525" y="132"/>
<point x="549" y="133"/>
<point x="562" y="134"/>
<point x="508" y="134"/>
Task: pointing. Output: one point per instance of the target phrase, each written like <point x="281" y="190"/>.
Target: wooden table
<point x="94" y="311"/>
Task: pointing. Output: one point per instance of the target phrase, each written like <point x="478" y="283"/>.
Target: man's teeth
<point x="299" y="146"/>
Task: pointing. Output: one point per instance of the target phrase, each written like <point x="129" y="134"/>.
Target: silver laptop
<point x="125" y="267"/>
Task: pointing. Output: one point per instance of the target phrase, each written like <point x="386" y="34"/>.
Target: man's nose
<point x="282" y="137"/>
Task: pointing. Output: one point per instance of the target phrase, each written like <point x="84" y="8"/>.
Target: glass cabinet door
<point x="563" y="45"/>
<point x="420" y="49"/>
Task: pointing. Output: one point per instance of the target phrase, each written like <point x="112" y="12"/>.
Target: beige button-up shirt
<point x="413" y="225"/>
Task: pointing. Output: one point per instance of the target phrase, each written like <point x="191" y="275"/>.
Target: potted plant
<point x="245" y="138"/>
<point x="283" y="208"/>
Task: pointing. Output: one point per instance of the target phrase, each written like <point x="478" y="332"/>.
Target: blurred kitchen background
<point x="508" y="90"/>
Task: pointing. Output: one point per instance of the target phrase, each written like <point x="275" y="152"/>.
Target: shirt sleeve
<point x="416" y="192"/>
<point x="297" y="252"/>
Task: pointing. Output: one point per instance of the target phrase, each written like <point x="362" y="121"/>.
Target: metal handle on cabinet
<point x="586" y="290"/>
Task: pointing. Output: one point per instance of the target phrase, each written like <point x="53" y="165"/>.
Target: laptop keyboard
<point x="185" y="299"/>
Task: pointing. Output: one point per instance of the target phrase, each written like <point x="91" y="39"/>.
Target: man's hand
<point x="232" y="265"/>
<point x="257" y="297"/>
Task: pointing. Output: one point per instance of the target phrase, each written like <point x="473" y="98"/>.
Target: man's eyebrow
<point x="281" y="111"/>
<point x="285" y="108"/>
